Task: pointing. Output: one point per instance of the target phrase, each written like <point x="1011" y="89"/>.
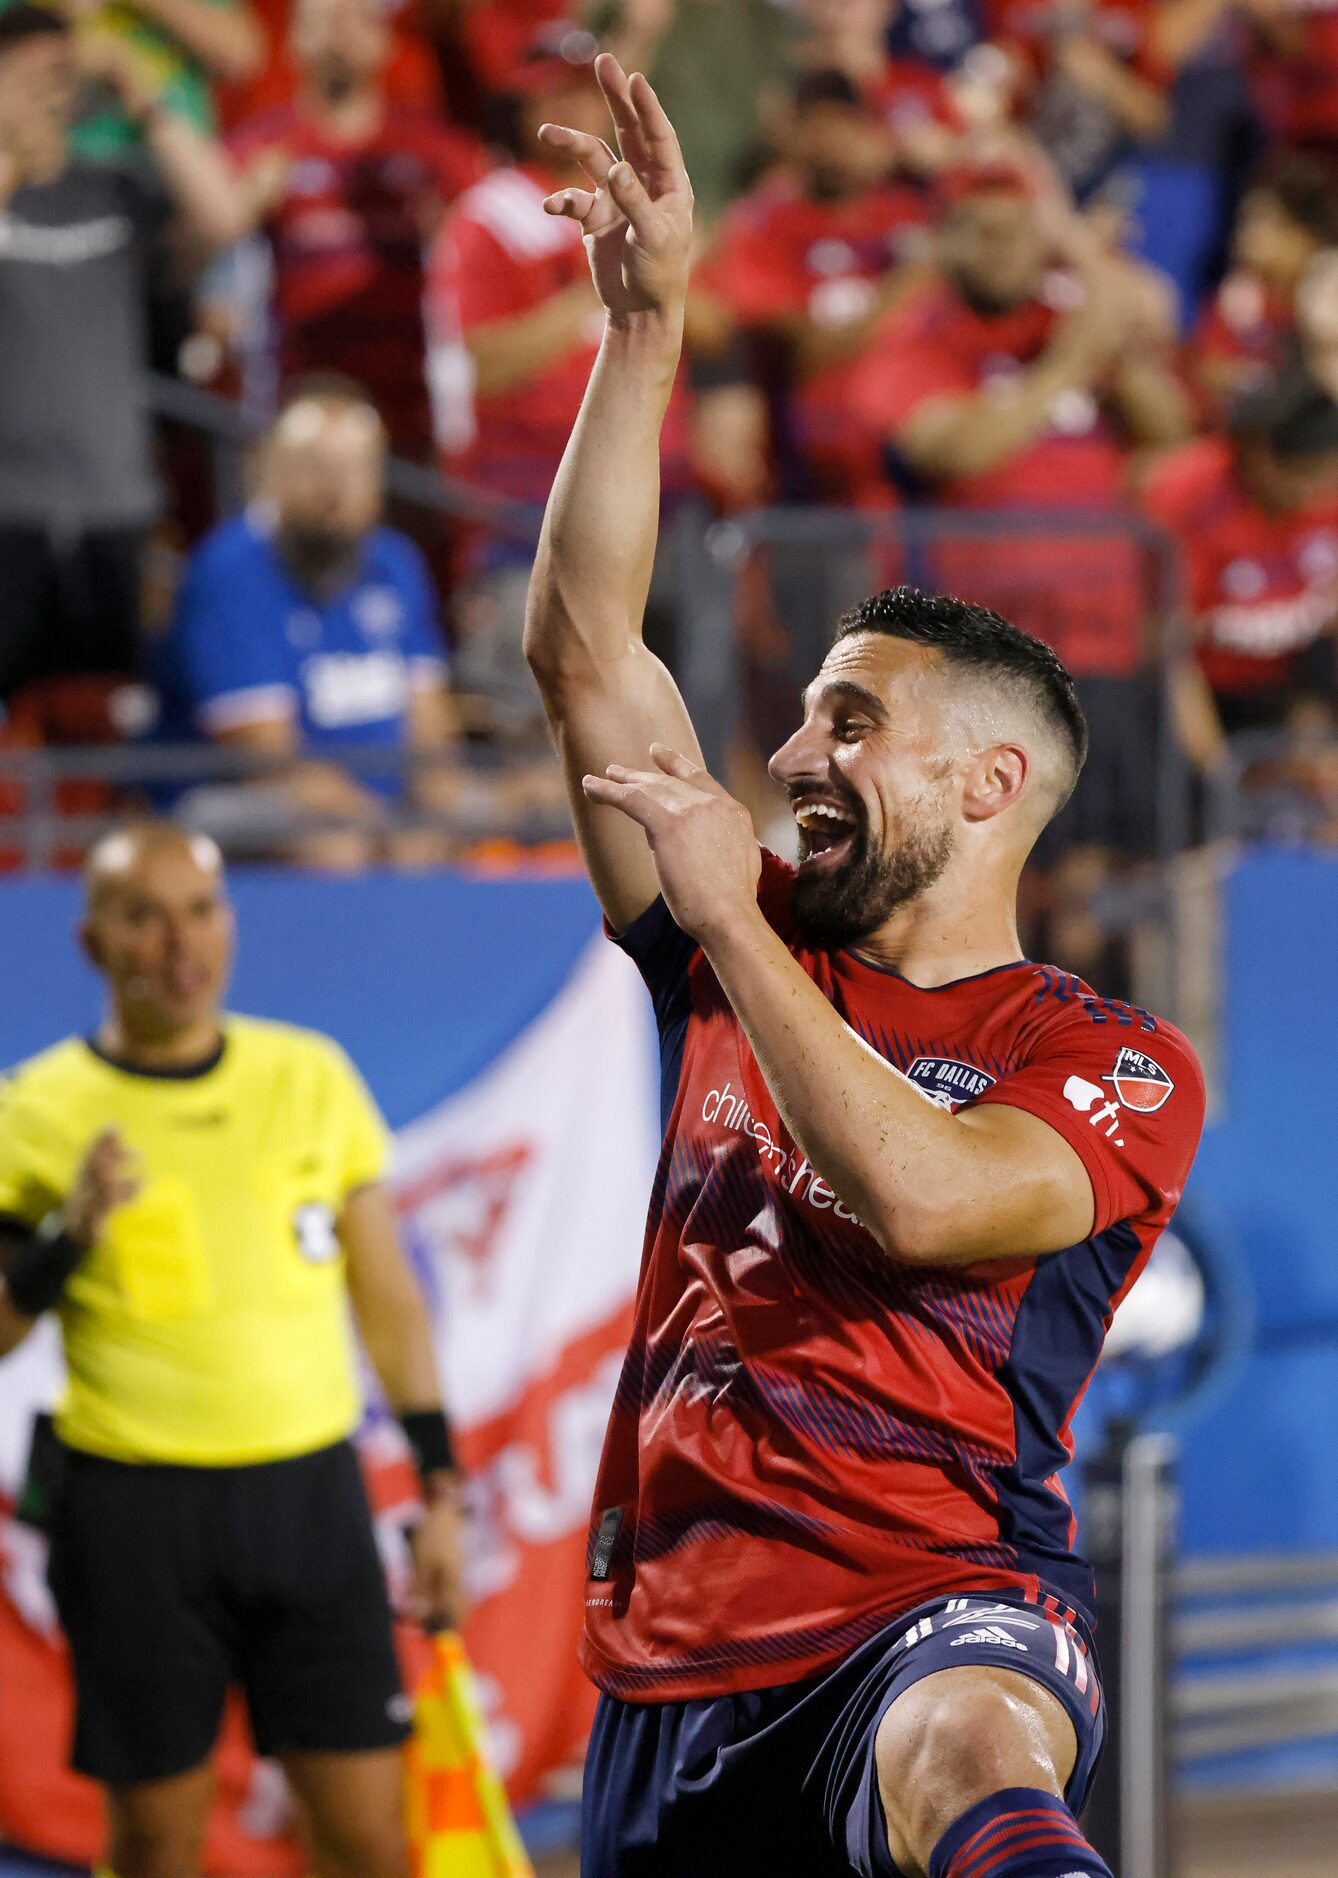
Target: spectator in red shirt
<point x="1014" y="383"/>
<point x="912" y="96"/>
<point x="1296" y="70"/>
<point x="411" y="74"/>
<point x="1097" y="89"/>
<point x="812" y="262"/>
<point x="347" y="191"/>
<point x="1255" y="517"/>
<point x="1285" y="222"/>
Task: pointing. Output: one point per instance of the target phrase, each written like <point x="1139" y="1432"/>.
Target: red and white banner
<point x="523" y="1199"/>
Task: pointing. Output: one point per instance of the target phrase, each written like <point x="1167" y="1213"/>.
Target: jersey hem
<point x="639" y="1684"/>
<point x="131" y="1456"/>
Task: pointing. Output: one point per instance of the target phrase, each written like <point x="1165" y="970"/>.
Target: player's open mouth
<point x="827" y="829"/>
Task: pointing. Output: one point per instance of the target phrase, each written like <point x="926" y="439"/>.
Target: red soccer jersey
<point x="348" y="240"/>
<point x="500" y="255"/>
<point x="410" y="76"/>
<point x="1244" y="325"/>
<point x="1083" y="594"/>
<point x="1298" y="88"/>
<point x="1260" y="587"/>
<point x="808" y="1437"/>
<point x="909" y="93"/>
<point x="780" y="254"/>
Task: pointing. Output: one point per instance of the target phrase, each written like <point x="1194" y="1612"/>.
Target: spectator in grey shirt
<point x="76" y="485"/>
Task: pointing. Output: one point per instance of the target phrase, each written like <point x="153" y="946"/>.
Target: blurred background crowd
<point x="1031" y="300"/>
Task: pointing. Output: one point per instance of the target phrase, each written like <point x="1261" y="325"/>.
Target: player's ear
<point x="994" y="781"/>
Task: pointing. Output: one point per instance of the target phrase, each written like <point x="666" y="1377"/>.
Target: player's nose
<point x="800" y="755"/>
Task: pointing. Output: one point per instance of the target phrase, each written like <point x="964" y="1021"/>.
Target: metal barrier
<point x="213" y="788"/>
<point x="1241" y="1624"/>
<point x="1278" y="785"/>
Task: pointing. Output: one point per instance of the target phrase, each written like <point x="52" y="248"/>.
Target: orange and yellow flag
<point x="460" y="1824"/>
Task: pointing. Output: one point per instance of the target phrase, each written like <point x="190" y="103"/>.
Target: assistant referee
<point x="199" y="1196"/>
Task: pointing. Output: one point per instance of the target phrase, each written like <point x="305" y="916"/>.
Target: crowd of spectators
<point x="1075" y="261"/>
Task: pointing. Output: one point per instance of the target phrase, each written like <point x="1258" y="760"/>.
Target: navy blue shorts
<point x="782" y="1780"/>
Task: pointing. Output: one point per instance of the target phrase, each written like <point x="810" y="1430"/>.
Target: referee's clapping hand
<point x="109" y="1176"/>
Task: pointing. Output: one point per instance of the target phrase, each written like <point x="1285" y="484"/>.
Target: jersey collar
<point x="185" y="1072"/>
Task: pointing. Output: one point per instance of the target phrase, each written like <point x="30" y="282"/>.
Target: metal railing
<point x="1242" y="1628"/>
<point x="1269" y="787"/>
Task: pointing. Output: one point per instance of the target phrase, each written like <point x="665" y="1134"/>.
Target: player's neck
<point x="957" y="928"/>
<point x="141" y="1046"/>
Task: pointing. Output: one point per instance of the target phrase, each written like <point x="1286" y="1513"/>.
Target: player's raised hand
<point x="637" y="217"/>
<point x="701" y="840"/>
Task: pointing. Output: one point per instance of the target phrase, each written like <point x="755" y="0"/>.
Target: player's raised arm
<point x="607" y="698"/>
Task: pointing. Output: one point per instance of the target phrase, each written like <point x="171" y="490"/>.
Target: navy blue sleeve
<point x="662" y="952"/>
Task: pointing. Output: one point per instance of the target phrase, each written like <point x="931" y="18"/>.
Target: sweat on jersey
<point x="809" y="1437"/>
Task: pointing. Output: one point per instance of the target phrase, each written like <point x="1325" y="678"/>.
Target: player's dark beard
<point x="839" y="908"/>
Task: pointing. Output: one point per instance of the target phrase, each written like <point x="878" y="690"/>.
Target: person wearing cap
<point x="516" y="326"/>
<point x="347" y="192"/>
<point x="77" y="487"/>
<point x="200" y="1198"/>
<point x="1254" y="516"/>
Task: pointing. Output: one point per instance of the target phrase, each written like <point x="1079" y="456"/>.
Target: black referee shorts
<point x="173" y="1583"/>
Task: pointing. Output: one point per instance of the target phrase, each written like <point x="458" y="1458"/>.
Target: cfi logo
<point x="948" y="1083"/>
<point x="1139" y="1082"/>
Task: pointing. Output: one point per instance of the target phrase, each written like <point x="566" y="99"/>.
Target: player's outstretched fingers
<point x="592" y="153"/>
<point x="575" y="204"/>
<point x="629" y="192"/>
<point x="618" y="96"/>
<point x="654" y="125"/>
<point x="674" y="763"/>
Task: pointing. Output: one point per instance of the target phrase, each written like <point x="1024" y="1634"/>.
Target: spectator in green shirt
<point x="716" y="65"/>
<point x="183" y="46"/>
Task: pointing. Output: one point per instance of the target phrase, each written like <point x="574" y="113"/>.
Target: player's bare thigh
<point x="956" y="1737"/>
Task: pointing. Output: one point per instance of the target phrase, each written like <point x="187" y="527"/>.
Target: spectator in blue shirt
<point x="304" y="629"/>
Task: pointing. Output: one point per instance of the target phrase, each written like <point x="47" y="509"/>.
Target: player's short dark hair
<point x="977" y="639"/>
<point x="1305" y="186"/>
<point x="24" y="21"/>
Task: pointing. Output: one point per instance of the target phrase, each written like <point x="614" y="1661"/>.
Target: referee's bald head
<point x="113" y="861"/>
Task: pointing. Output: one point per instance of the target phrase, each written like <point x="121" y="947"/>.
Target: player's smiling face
<point x="869" y="779"/>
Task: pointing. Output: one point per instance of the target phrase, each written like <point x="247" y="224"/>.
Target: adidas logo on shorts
<point x="991" y="1633"/>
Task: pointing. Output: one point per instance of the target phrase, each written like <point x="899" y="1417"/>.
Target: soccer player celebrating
<point x="200" y="1197"/>
<point x="834" y="1605"/>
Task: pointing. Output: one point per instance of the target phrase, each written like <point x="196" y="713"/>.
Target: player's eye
<point x="850" y="730"/>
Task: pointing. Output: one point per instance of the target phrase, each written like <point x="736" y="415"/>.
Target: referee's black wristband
<point x="41" y="1268"/>
<point x="428" y="1434"/>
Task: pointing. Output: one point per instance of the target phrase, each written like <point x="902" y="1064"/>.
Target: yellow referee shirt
<point x="209" y="1325"/>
